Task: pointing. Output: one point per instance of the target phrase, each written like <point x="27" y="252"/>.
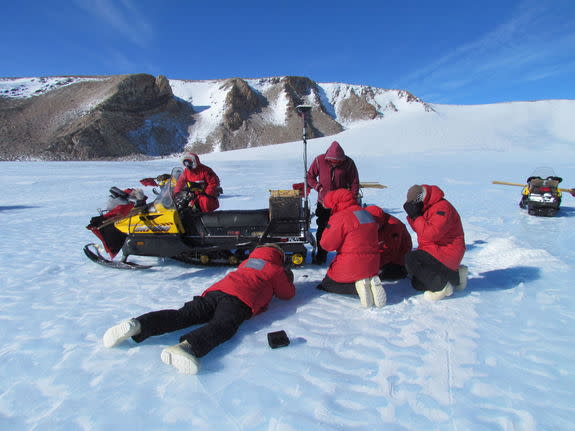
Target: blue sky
<point x="443" y="51"/>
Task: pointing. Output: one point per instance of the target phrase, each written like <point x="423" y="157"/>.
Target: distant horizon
<point x="445" y="52"/>
<point x="280" y="76"/>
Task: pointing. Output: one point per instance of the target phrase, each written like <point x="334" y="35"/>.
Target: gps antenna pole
<point x="303" y="111"/>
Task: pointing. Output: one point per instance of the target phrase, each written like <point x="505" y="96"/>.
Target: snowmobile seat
<point x="235" y="218"/>
<point x="538" y="185"/>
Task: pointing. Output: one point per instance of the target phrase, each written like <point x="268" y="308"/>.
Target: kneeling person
<point x="223" y="307"/>
<point x="435" y="265"/>
<point x="352" y="232"/>
<point x="394" y="244"/>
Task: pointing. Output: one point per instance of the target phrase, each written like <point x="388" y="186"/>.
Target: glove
<point x="413" y="209"/>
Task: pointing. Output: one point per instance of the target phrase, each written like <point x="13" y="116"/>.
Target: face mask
<point x="190" y="164"/>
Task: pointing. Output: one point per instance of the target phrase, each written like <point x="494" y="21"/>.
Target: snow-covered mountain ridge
<point x="70" y="117"/>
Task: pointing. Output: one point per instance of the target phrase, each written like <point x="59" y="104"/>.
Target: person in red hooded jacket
<point x="435" y="265"/>
<point x="199" y="176"/>
<point x="352" y="232"/>
<point x="330" y="171"/>
<point x="394" y="243"/>
<point x="240" y="295"/>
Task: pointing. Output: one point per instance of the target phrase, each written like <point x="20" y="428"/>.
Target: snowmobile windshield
<point x="543" y="172"/>
<point x="166" y="195"/>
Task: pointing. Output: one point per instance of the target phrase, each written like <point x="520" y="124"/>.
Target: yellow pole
<point x="524" y="185"/>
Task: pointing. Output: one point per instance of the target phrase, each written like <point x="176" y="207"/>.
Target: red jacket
<point x="394" y="239"/>
<point x="439" y="230"/>
<point x="323" y="177"/>
<point x="257" y="280"/>
<point x="207" y="178"/>
<point x="352" y="232"/>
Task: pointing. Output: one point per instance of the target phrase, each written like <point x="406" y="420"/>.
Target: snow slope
<point x="497" y="356"/>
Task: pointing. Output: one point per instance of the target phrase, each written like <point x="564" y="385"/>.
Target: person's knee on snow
<point x="352" y="233"/>
<point x="437" y="259"/>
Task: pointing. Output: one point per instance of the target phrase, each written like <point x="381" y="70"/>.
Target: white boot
<point x="363" y="288"/>
<point x="462" y="277"/>
<point x="181" y="358"/>
<point x="436" y="296"/>
<point x="121" y="332"/>
<point x="378" y="292"/>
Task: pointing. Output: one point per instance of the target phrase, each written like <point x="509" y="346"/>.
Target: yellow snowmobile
<point x="167" y="227"/>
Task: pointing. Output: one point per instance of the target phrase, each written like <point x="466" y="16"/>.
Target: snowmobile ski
<point x="91" y="250"/>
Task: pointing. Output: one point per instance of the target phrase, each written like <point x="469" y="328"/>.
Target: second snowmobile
<point x="541" y="195"/>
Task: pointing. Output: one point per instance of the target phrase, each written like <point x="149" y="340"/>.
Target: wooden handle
<point x="508" y="184"/>
<point x="372" y="186"/>
<point x="525" y="185"/>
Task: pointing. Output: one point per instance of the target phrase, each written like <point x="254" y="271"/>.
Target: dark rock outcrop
<point x="101" y="118"/>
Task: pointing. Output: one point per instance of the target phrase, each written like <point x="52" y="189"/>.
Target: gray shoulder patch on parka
<point x="363" y="217"/>
<point x="255" y="263"/>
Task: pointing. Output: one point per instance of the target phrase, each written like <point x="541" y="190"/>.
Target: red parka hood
<point x="190" y="156"/>
<point x="269" y="254"/>
<point x="335" y="152"/>
<point x="339" y="199"/>
<point x="433" y="194"/>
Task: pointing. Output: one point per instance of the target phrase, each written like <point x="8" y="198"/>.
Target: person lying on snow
<point x="330" y="171"/>
<point x="199" y="175"/>
<point x="394" y="243"/>
<point x="352" y="232"/>
<point x="223" y="307"/>
<point x="435" y="265"/>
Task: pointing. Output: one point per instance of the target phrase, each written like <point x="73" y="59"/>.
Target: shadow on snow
<point x="17" y="207"/>
<point x="501" y="279"/>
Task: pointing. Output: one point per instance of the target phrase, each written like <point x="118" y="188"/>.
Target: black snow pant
<point x="332" y="286"/>
<point x="428" y="273"/>
<point x="322" y="217"/>
<point x="222" y="314"/>
<point x="392" y="271"/>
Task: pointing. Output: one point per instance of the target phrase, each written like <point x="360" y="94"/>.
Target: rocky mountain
<point x="106" y="117"/>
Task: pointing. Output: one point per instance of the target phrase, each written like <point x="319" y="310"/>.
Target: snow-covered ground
<point x="497" y="356"/>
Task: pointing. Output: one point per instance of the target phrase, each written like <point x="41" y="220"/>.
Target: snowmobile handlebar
<point x="115" y="192"/>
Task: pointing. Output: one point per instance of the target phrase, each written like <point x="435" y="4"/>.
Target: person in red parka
<point x="394" y="244"/>
<point x="352" y="232"/>
<point x="435" y="265"/>
<point x="199" y="176"/>
<point x="240" y="295"/>
<point x="330" y="171"/>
